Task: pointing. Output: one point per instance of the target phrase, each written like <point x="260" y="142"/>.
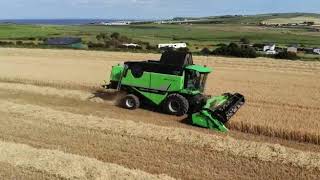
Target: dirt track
<point x="69" y="120"/>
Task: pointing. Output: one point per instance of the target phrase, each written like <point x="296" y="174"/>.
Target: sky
<point x="147" y="9"/>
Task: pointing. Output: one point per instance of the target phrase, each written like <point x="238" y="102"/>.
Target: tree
<point x="5" y="43"/>
<point x="309" y="23"/>
<point x="249" y="52"/>
<point x="32" y="38"/>
<point x="287" y="55"/>
<point x="114" y="42"/>
<point x="92" y="45"/>
<point x="19" y="43"/>
<point x="258" y="46"/>
<point x="205" y="51"/>
<point x="99" y="37"/>
<point x="183" y="49"/>
<point x="115" y="35"/>
<point x="245" y="40"/>
<point x="221" y="44"/>
<point x="102" y="36"/>
<point x="235" y="50"/>
<point x="125" y="39"/>
<point x="42" y="38"/>
<point x="174" y="38"/>
<point x="150" y="47"/>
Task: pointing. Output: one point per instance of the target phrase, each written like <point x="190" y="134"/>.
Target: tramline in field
<point x="177" y="86"/>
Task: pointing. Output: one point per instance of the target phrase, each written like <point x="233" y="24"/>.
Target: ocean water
<point x="57" y="21"/>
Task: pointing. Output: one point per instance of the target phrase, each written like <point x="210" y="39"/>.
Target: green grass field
<point x="197" y="35"/>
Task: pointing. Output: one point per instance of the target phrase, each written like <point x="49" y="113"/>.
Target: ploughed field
<point x="57" y="124"/>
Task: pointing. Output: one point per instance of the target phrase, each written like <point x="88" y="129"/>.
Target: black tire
<point x="130" y="102"/>
<point x="176" y="104"/>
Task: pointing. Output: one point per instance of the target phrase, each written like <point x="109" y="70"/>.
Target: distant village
<point x="312" y="26"/>
<point x="115" y="41"/>
<point x="305" y="23"/>
<point x="267" y="49"/>
<point x="272" y="49"/>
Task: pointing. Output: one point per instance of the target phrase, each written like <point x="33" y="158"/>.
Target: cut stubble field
<point x="52" y="92"/>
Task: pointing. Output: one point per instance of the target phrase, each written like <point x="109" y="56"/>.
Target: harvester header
<point x="176" y="85"/>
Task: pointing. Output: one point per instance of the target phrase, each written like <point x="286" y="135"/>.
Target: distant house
<point x="307" y="50"/>
<point x="316" y="51"/>
<point x="270" y="49"/>
<point x="292" y="49"/>
<point x="70" y="42"/>
<point x="131" y="45"/>
<point x="118" y="23"/>
<point x="173" y="45"/>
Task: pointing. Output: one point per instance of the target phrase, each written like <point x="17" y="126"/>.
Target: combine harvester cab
<point x="176" y="85"/>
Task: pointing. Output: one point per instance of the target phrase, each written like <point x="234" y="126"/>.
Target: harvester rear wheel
<point x="176" y="105"/>
<point x="131" y="102"/>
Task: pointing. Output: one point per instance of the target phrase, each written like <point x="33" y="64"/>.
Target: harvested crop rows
<point x="283" y="96"/>
<point x="51" y="103"/>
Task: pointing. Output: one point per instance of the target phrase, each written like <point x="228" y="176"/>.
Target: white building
<point x="131" y="45"/>
<point x="317" y="50"/>
<point x="292" y="49"/>
<point x="118" y="23"/>
<point x="270" y="49"/>
<point x="173" y="45"/>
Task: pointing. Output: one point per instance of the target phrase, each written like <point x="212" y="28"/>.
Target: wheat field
<point x="51" y="97"/>
<point x="282" y="96"/>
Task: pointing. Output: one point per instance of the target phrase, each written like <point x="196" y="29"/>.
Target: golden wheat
<point x="249" y="149"/>
<point x="282" y="96"/>
<point x="68" y="166"/>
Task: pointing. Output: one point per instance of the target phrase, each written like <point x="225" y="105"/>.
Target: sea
<point x="59" y="21"/>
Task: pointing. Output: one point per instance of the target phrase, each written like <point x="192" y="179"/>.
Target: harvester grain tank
<point x="175" y="85"/>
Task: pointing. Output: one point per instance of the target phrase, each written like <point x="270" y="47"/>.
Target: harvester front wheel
<point x="176" y="105"/>
<point x="131" y="102"/>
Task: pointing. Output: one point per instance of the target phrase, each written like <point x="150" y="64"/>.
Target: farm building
<point x="173" y="45"/>
<point x="131" y="45"/>
<point x="270" y="49"/>
<point x="292" y="49"/>
<point x="120" y="23"/>
<point x="316" y="51"/>
<point x="70" y="42"/>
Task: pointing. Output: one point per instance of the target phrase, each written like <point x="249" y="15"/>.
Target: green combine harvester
<point x="175" y="85"/>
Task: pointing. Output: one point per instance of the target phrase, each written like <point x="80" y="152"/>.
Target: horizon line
<point x="112" y="18"/>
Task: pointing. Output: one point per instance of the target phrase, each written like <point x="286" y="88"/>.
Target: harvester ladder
<point x="122" y="75"/>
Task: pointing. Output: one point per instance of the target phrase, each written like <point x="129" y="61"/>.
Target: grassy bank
<point x="197" y="35"/>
